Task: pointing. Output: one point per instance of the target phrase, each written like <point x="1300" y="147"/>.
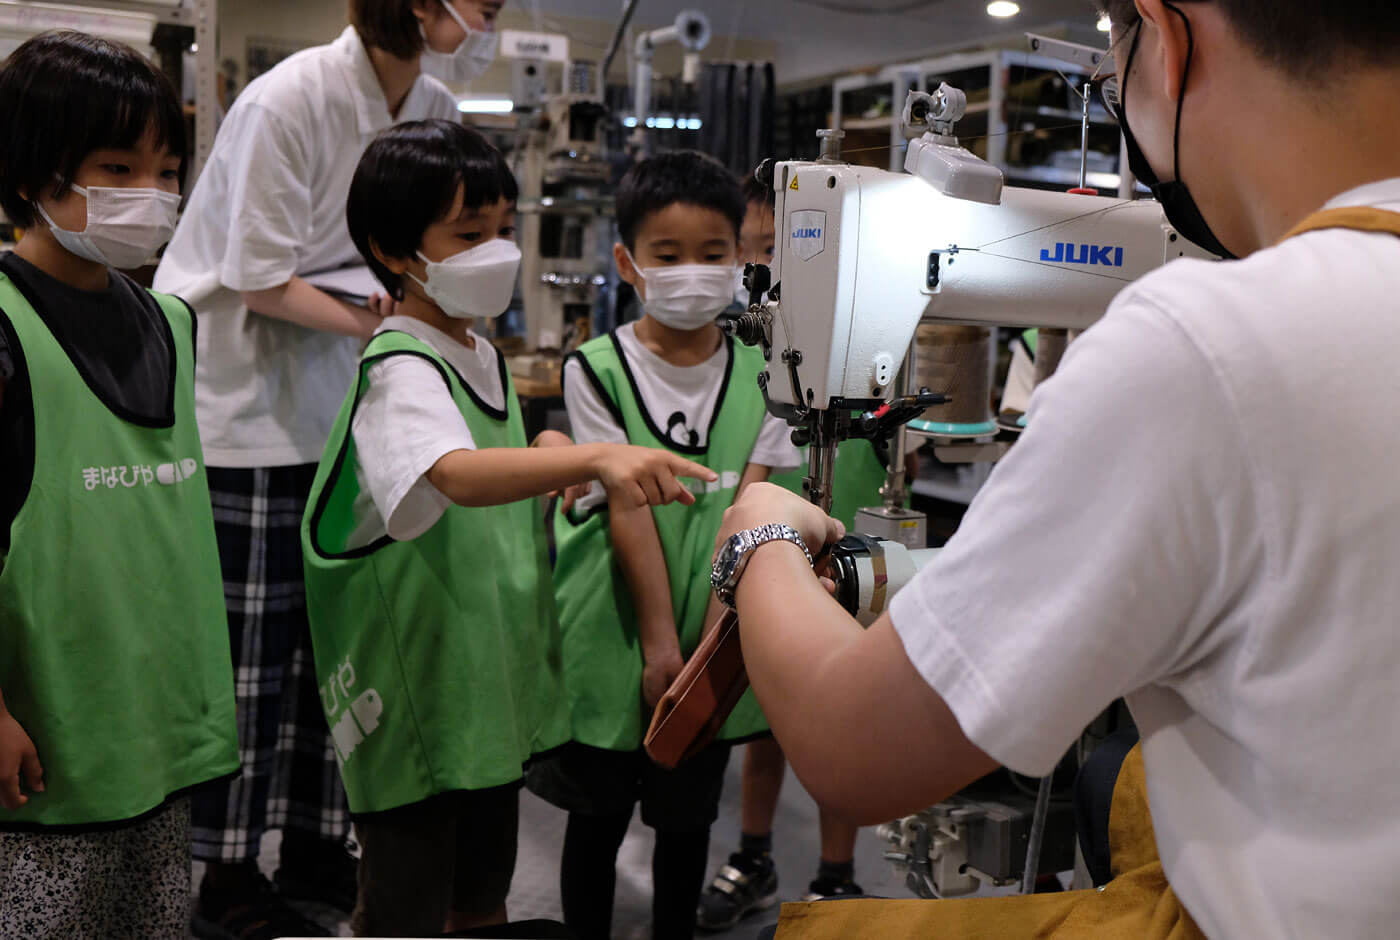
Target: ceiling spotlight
<point x="1105" y="24"/>
<point x="1003" y="8"/>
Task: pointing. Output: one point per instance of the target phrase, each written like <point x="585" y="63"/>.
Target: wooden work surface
<point x="526" y="387"/>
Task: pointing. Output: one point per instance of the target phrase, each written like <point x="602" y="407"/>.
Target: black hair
<point x="680" y="176"/>
<point x="1301" y="33"/>
<point x="759" y="193"/>
<point x="408" y="180"/>
<point x="64" y="94"/>
<point x="389" y="25"/>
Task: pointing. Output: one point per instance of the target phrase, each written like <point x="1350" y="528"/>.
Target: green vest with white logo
<point x="602" y="648"/>
<point x="437" y="658"/>
<point x="859" y="476"/>
<point x="114" y="647"/>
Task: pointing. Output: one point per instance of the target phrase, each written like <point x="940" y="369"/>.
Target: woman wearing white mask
<point x="427" y="575"/>
<point x="275" y="355"/>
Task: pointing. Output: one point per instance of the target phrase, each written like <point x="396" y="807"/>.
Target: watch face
<point x="724" y="562"/>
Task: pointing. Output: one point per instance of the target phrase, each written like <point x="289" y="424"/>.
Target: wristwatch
<point x="733" y="556"/>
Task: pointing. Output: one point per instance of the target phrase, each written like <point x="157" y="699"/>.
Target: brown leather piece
<point x="698" y="703"/>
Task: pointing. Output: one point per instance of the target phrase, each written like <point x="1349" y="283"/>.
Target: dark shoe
<point x="321" y="873"/>
<point x="746" y="885"/>
<point x="824" y="888"/>
<point x="254" y="912"/>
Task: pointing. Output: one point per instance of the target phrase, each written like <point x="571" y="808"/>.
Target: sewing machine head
<point x="864" y="255"/>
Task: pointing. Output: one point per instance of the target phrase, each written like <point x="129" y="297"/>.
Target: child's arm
<point x="638" y="549"/>
<point x="17" y="756"/>
<point x="633" y="476"/>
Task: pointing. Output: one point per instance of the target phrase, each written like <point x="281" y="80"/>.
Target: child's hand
<point x="641" y="476"/>
<point x="382" y="305"/>
<point x="17" y="756"/>
<point x="659" y="672"/>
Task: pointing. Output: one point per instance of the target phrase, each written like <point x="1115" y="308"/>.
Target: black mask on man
<point x="1176" y="199"/>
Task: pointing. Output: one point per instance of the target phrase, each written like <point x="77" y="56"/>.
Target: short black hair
<point x="680" y="176"/>
<point x="757" y="192"/>
<point x="389" y="25"/>
<point x="408" y="179"/>
<point x="1302" y="33"/>
<point x="64" y="94"/>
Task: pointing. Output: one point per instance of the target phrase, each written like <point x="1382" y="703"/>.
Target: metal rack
<point x="989" y="119"/>
<point x="91" y="16"/>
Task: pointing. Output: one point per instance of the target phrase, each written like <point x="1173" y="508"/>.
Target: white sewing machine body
<point x="865" y="254"/>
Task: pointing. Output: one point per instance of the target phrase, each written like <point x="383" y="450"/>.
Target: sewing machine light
<point x="937" y="158"/>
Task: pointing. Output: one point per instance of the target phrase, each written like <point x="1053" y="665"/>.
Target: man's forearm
<point x="299" y="302"/>
<point x="867" y="736"/>
<point x="637" y="546"/>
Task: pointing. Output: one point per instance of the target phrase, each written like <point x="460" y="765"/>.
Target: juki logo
<point x="808" y="230"/>
<point x="1066" y="253"/>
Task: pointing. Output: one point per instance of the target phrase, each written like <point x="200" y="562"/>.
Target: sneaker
<point x="743" y="887"/>
<point x="324" y="875"/>
<point x="262" y="914"/>
<point x="824" y="888"/>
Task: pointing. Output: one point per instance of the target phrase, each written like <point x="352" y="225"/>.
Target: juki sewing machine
<point x="865" y="257"/>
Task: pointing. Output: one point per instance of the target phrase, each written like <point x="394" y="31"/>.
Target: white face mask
<point x="124" y="226"/>
<point x="476" y="283"/>
<point x="468" y="61"/>
<point x="686" y="296"/>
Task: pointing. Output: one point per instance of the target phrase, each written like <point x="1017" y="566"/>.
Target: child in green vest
<point x="427" y="580"/>
<point x="633" y="583"/>
<point x="116" y="688"/>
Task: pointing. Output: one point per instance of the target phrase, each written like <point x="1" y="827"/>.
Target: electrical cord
<point x="621" y="30"/>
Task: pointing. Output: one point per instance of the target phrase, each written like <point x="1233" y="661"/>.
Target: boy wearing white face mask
<point x="116" y="692"/>
<point x="432" y="616"/>
<point x="632" y="583"/>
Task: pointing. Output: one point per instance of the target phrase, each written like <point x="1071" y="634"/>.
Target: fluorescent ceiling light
<point x="1003" y="8"/>
<point x="1105" y="24"/>
<point x="486" y="106"/>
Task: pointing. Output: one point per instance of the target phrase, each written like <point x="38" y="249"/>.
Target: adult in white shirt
<point x="275" y="358"/>
<point x="1216" y="537"/>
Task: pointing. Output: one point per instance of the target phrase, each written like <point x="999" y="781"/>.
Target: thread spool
<point x="956" y="361"/>
<point x="1050" y="346"/>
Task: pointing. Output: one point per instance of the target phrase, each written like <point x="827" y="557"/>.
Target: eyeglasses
<point x="1105" y="81"/>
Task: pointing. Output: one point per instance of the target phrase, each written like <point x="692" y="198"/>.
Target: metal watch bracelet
<point x="733" y="557"/>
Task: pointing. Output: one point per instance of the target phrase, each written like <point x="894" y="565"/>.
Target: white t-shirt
<point x="269" y="205"/>
<point x="1203" y="516"/>
<point x="679" y="399"/>
<point x="406" y="422"/>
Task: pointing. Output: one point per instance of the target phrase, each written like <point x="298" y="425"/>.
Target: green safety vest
<point x="437" y="658"/>
<point x="602" y="648"/>
<point x="859" y="475"/>
<point x="114" y="645"/>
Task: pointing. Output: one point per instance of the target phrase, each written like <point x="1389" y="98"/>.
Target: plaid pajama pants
<point x="290" y="778"/>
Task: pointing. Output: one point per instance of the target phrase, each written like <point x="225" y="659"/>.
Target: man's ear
<point x="626" y="269"/>
<point x="1166" y="34"/>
